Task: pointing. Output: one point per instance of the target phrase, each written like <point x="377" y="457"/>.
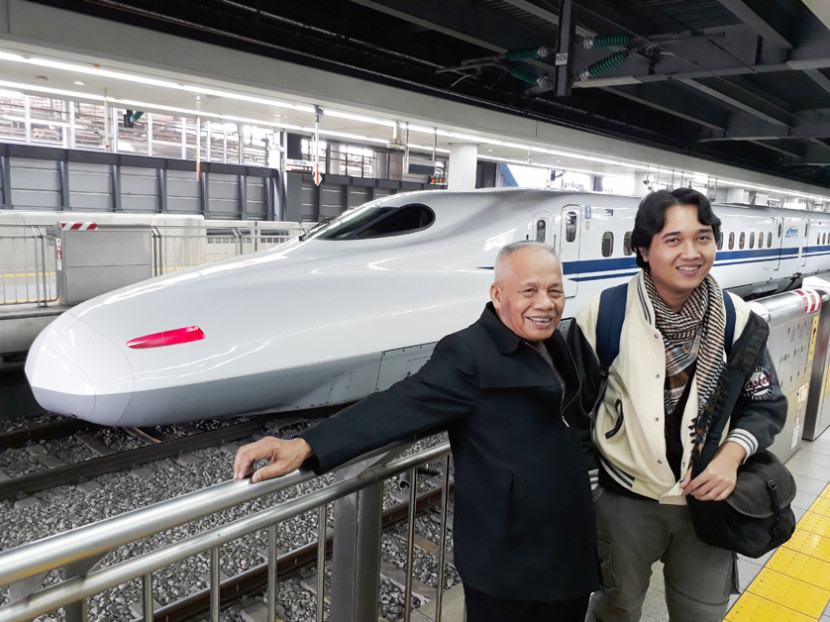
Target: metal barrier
<point x="79" y="550"/>
<point x="27" y="265"/>
<point x="28" y="258"/>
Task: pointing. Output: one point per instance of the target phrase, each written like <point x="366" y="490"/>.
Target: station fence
<point x="28" y="253"/>
<point x="355" y="565"/>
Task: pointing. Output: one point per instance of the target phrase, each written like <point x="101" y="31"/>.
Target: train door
<point x="570" y="233"/>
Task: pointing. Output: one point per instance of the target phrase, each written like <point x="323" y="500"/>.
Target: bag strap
<point x="710" y="446"/>
<point x="729" y="336"/>
<point x="612" y="313"/>
<point x="609" y="324"/>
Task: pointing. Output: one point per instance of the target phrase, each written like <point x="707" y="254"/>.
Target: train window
<point x="752" y="240"/>
<point x="540" y="230"/>
<point x="761" y="240"/>
<point x="720" y="240"/>
<point x="607" y="244"/>
<point x="769" y="239"/>
<point x="377" y="222"/>
<point x="731" y="240"/>
<point x="818" y="239"/>
<point x="570" y="226"/>
<point x="742" y="240"/>
<point x="627" y="243"/>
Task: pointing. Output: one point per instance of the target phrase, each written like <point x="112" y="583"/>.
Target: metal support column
<point x="115" y="176"/>
<point x="63" y="176"/>
<point x="242" y="185"/>
<point x="564" y="40"/>
<point x="204" y="193"/>
<point x="6" y="181"/>
<point x="356" y="555"/>
<point x="162" y="189"/>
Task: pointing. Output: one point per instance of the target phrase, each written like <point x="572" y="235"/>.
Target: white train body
<point x="359" y="304"/>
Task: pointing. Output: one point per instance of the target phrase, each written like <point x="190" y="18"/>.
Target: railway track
<point x="155" y="444"/>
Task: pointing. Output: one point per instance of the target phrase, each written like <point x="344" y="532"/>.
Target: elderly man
<point x="506" y="390"/>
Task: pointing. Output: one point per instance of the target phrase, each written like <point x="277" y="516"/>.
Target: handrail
<point x="88" y="541"/>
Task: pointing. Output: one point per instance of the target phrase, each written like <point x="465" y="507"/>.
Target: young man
<point x="506" y="390"/>
<point x="652" y="417"/>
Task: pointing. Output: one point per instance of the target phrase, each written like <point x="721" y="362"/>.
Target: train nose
<point x="94" y="382"/>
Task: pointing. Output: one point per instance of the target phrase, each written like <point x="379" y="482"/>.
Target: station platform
<point x="21" y="323"/>
<point x="790" y="584"/>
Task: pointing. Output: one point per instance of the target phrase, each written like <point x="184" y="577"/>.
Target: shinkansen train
<point x="358" y="302"/>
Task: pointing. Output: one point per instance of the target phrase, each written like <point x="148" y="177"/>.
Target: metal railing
<point x="28" y="260"/>
<point x="78" y="551"/>
<point x="27" y="265"/>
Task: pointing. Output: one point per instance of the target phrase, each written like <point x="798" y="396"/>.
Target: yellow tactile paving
<point x="821" y="506"/>
<point x="752" y="608"/>
<point x="809" y="544"/>
<point x="790" y="592"/>
<point x="794" y="586"/>
<point x="804" y="567"/>
<point x="815" y="523"/>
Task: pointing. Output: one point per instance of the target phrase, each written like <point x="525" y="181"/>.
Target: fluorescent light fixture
<point x="360" y="118"/>
<point x="17" y="58"/>
<point x="50" y="91"/>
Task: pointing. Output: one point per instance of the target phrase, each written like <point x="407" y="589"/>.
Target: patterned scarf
<point x="693" y="339"/>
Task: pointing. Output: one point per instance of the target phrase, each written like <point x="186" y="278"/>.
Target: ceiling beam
<point x="542" y="13"/>
<point x="668" y="100"/>
<point x="821" y="9"/>
<point x="819" y="78"/>
<point x="731" y="101"/>
<point x="751" y="18"/>
<point x="478" y="27"/>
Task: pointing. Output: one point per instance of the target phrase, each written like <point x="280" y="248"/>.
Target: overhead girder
<point x="671" y="101"/>
<point x="793" y="151"/>
<point x="818" y="154"/>
<point x="819" y="78"/>
<point x="745" y="127"/>
<point x="469" y="22"/>
<point x="761" y="24"/>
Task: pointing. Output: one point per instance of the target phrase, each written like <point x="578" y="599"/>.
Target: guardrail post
<point x="356" y="553"/>
<point x="79" y="611"/>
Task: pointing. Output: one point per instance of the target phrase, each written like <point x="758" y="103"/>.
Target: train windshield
<point x="376" y="222"/>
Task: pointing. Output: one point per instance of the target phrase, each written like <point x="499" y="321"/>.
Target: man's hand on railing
<point x="285" y="457"/>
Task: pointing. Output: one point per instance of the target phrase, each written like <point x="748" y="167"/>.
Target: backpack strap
<point x="609" y="324"/>
<point x="729" y="336"/>
<point x="612" y="313"/>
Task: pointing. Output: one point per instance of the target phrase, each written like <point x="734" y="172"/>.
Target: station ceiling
<point x="743" y="82"/>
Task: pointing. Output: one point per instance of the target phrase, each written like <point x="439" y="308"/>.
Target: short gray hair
<point x="511" y="248"/>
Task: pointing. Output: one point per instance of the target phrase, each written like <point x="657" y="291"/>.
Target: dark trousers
<point x="482" y="607"/>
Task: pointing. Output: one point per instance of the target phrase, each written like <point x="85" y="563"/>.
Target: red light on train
<point x="167" y="338"/>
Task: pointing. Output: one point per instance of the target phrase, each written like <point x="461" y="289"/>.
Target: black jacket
<point x="524" y="524"/>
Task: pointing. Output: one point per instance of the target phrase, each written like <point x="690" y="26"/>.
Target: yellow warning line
<point x="794" y="586"/>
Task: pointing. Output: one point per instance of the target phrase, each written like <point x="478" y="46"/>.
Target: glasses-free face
<point x="528" y="294"/>
<point x="680" y="256"/>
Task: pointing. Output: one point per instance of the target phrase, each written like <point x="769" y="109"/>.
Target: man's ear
<point x="495" y="295"/>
